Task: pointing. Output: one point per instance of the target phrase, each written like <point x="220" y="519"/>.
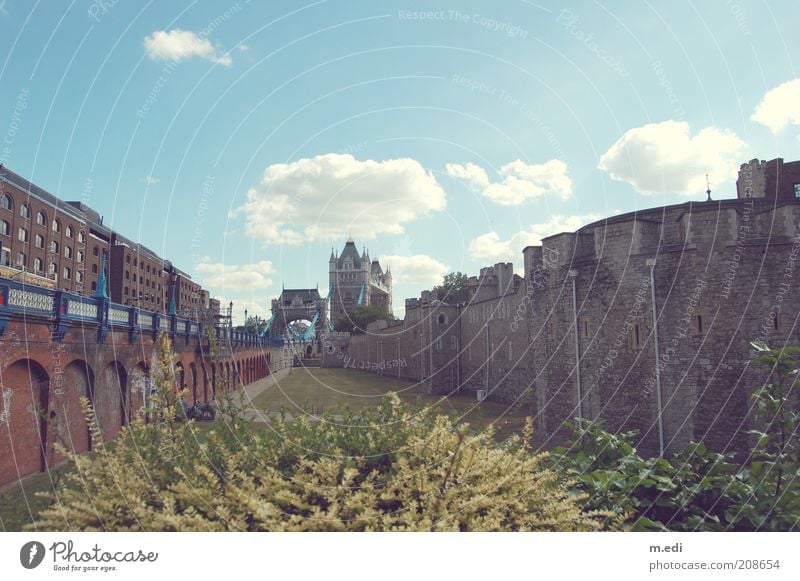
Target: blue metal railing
<point x="65" y="308"/>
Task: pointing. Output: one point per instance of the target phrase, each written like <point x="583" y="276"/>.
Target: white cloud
<point x="471" y="173"/>
<point x="664" y="157"/>
<point x="254" y="307"/>
<point x="335" y="195"/>
<point x="489" y="248"/>
<point x="151" y="180"/>
<point x="419" y="269"/>
<point x="176" y="45"/>
<point x="231" y="278"/>
<point x="779" y="107"/>
<point x="521" y="181"/>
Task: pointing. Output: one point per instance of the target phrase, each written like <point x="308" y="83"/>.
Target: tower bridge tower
<point x="356" y="280"/>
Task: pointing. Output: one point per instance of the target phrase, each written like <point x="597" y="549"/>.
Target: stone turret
<point x="350" y="272"/>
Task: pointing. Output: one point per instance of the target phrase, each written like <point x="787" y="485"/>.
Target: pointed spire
<point x="333" y="256"/>
<point x="102" y="286"/>
<point x="708" y="189"/>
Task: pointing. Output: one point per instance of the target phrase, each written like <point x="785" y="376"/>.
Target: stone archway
<point x="24" y="413"/>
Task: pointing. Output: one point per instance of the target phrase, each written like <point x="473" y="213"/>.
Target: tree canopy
<point x="452" y="284"/>
<point x="360" y="317"/>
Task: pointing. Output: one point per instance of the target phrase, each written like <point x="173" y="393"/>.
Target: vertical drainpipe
<point x="573" y="274"/>
<point x="651" y="262"/>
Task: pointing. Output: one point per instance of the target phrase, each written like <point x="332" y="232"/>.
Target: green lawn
<point x="317" y="389"/>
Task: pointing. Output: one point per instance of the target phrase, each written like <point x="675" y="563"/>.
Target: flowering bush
<point x="386" y="468"/>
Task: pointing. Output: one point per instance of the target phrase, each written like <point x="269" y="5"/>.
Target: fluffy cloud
<point x="419" y="269"/>
<point x="664" y="157"/>
<point x="335" y="195"/>
<point x="176" y="45"/>
<point x="779" y="107"/>
<point x="151" y="180"/>
<point x="489" y="248"/>
<point x="254" y="307"/>
<point x="521" y="181"/>
<point x="229" y="278"/>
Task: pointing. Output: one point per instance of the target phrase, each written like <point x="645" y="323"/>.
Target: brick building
<point x="188" y="294"/>
<point x="772" y="179"/>
<point x="47" y="241"/>
<point x="136" y="275"/>
<point x="59" y="245"/>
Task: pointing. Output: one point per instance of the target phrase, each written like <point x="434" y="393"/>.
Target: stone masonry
<point x="576" y="335"/>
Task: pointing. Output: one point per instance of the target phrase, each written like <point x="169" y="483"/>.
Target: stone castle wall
<point x="723" y="273"/>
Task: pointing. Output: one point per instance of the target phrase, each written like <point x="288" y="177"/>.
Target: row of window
<point x="147" y="282"/>
<point x="41" y="218"/>
<point x="142" y="295"/>
<point x="141" y="265"/>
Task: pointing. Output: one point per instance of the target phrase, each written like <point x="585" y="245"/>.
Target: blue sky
<point x="242" y="140"/>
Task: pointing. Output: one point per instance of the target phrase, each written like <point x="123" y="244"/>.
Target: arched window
<point x="22" y="235"/>
<point x="22" y="260"/>
<point x="79" y="276"/>
<point x="5" y="202"/>
<point x="442" y="319"/>
<point x="51" y="269"/>
<point x="37" y="265"/>
<point x="94" y="286"/>
<point x="67" y="252"/>
<point x="82" y="237"/>
<point x="56" y="226"/>
<point x="96" y="251"/>
<point x="41" y="219"/>
<point x="67" y="273"/>
<point x="81" y="256"/>
<point x="126" y="291"/>
<point x="5" y="228"/>
<point x="94" y="269"/>
<point x="53" y="247"/>
<point x="38" y="240"/>
<point x="25" y="211"/>
<point x="128" y="259"/>
<point x="68" y="232"/>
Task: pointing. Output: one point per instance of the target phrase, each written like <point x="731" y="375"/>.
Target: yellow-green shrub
<point x="386" y="468"/>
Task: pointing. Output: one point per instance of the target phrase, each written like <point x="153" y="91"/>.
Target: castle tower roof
<point x="349" y="251"/>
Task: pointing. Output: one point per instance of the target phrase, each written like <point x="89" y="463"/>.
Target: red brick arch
<point x="24" y="438"/>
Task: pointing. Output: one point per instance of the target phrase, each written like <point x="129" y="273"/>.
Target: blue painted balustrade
<point x="63" y="309"/>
